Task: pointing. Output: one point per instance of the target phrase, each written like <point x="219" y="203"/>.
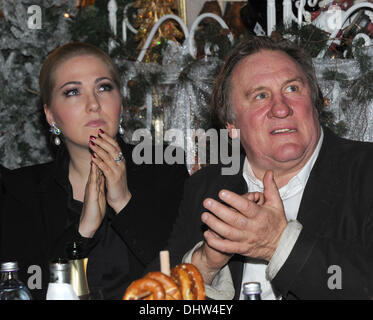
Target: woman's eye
<point x="71" y="92"/>
<point x="105" y="87"/>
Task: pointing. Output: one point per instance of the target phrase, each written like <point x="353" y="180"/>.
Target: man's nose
<point x="93" y="103"/>
<point x="280" y="108"/>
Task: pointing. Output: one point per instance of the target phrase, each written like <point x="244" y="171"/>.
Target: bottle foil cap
<point x="60" y="272"/>
<point x="252" y="288"/>
<point x="9" y="266"/>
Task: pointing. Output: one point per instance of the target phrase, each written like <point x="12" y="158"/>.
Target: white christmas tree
<point x="27" y="36"/>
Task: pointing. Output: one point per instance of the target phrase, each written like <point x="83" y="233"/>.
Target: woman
<point x="93" y="192"/>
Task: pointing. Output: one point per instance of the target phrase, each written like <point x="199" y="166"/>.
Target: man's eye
<point x="105" y="87"/>
<point x="292" y="88"/>
<point x="261" y="96"/>
<point x="71" y="92"/>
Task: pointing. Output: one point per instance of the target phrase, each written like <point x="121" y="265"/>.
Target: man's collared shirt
<point x="291" y="196"/>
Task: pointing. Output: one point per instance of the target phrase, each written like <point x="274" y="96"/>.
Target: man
<point x="312" y="238"/>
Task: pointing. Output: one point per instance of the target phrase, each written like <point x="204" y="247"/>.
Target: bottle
<point x="10" y="287"/>
<point x="252" y="291"/>
<point x="78" y="278"/>
<point x="59" y="287"/>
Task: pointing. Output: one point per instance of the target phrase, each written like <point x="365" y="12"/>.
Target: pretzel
<point x="169" y="285"/>
<point x="146" y="289"/>
<point x="185" y="283"/>
<point x="190" y="281"/>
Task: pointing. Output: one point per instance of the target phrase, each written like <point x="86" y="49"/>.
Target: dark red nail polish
<point x="93" y="155"/>
<point x="101" y="131"/>
<point x="92" y="143"/>
<point x="92" y="138"/>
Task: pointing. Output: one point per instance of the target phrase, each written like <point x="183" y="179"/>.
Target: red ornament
<point x="315" y="14"/>
<point x="344" y="4"/>
<point x="370" y="29"/>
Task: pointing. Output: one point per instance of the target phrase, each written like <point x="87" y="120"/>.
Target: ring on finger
<point x="119" y="158"/>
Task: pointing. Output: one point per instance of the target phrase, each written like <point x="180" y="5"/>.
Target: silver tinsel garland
<point x="346" y="107"/>
<point x="178" y="99"/>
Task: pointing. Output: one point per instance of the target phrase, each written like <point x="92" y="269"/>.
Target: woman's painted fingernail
<point x="93" y="155"/>
<point x="92" y="138"/>
<point x="92" y="143"/>
<point x="101" y="131"/>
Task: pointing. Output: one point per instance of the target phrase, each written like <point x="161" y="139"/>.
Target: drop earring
<point x="56" y="132"/>
<point x="121" y="129"/>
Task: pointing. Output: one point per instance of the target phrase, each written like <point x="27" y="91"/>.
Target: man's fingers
<point x="238" y="202"/>
<point x="271" y="192"/>
<point x="222" y="245"/>
<point x="251" y="196"/>
<point x="259" y="198"/>
<point x="225" y="213"/>
<point x="215" y="234"/>
<point x="256" y="197"/>
<point x="222" y="228"/>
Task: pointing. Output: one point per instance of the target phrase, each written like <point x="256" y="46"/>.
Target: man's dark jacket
<point x="336" y="212"/>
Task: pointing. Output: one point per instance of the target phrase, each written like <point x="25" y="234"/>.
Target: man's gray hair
<point x="221" y="95"/>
